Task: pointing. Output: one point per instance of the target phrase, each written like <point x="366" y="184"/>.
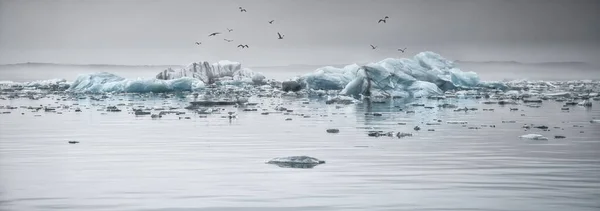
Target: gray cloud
<point x="332" y="31"/>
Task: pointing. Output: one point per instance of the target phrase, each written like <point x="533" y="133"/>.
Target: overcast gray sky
<point x="316" y="31"/>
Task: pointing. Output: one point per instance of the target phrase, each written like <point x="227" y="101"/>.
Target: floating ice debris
<point x="456" y="122"/>
<point x="417" y="128"/>
<point x="73" y="142"/>
<point x="379" y="133"/>
<point x="141" y="112"/>
<point x="585" y="103"/>
<point x="430" y="129"/>
<point x="533" y="137"/>
<point x="532" y="100"/>
<point x="514" y="109"/>
<point x="333" y="130"/>
<point x="402" y="135"/>
<point x="559" y="137"/>
<point x="291" y="86"/>
<point x="570" y="103"/>
<point x="341" y="100"/>
<point x="446" y="105"/>
<point x="113" y="109"/>
<point x="296" y="162"/>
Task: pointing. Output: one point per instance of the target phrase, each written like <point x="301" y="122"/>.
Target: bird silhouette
<point x="230" y="30"/>
<point x="384" y="20"/>
<point x="374" y="47"/>
<point x="242" y="9"/>
<point x="280" y="36"/>
<point x="271" y="22"/>
<point x="242" y="46"/>
<point x="227" y="40"/>
<point x="214" y="34"/>
<point x="198" y="43"/>
<point x="402" y="50"/>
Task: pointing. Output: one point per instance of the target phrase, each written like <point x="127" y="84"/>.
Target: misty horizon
<point x="316" y="32"/>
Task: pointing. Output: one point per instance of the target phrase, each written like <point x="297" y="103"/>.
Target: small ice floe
<point x="585" y="103"/>
<point x="296" y="162"/>
<point x="333" y="130"/>
<point x="456" y="122"/>
<point x="533" y="137"/>
<point x="402" y="135"/>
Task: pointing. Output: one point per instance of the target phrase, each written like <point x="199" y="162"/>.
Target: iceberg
<point x="190" y="78"/>
<point x="108" y="82"/>
<point x="223" y="72"/>
<point x="426" y="74"/>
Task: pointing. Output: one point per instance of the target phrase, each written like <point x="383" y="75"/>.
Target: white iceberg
<point x="426" y="74"/>
<point x="223" y="72"/>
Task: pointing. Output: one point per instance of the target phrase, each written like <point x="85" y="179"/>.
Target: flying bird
<point x="227" y="40"/>
<point x="271" y="22"/>
<point x="280" y="36"/>
<point x="402" y="50"/>
<point x="374" y="47"/>
<point x="214" y="34"/>
<point x="198" y="43"/>
<point x="230" y="30"/>
<point x="384" y="20"/>
<point x="242" y="9"/>
<point x="242" y="46"/>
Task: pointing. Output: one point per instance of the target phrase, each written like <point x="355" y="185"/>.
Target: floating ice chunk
<point x="456" y="122"/>
<point x="296" y="162"/>
<point x="558" y="94"/>
<point x="340" y="99"/>
<point x="533" y="137"/>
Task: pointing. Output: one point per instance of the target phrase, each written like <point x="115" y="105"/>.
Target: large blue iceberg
<point x="108" y="82"/>
<point x="427" y="73"/>
<point x="192" y="77"/>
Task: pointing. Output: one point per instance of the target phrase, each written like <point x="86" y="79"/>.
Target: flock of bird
<point x="281" y="36"/>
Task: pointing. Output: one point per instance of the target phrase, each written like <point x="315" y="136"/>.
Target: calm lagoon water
<point x="124" y="162"/>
